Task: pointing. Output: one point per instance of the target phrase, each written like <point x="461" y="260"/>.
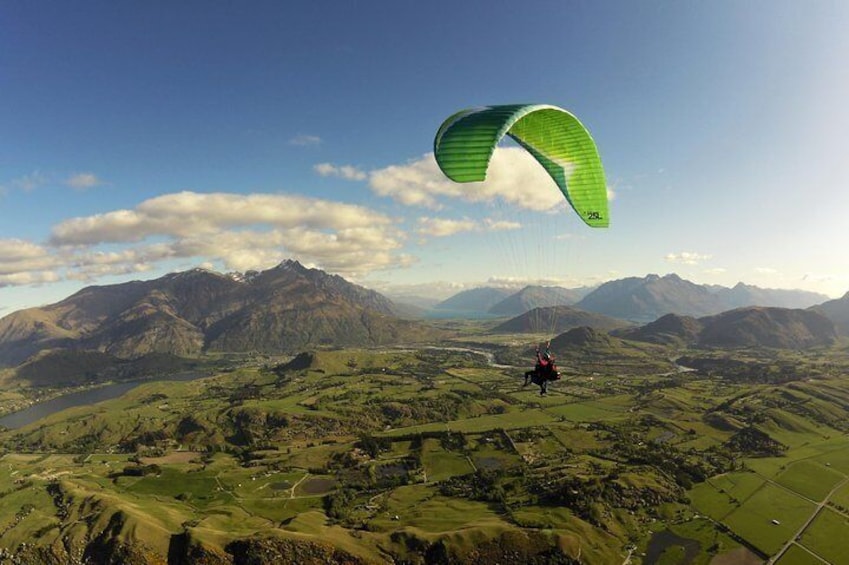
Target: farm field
<point x="361" y="455"/>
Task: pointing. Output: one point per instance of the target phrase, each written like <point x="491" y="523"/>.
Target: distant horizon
<point x="438" y="292"/>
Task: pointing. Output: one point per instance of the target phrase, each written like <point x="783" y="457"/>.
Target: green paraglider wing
<point x="464" y="144"/>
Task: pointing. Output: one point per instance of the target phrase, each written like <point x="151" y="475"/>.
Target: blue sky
<point x="142" y="138"/>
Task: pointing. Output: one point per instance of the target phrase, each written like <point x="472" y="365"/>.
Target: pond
<point x="82" y="398"/>
<point x="673" y="545"/>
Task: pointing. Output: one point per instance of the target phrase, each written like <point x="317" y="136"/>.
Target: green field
<point x="391" y="454"/>
<point x="754" y="519"/>
<point x="810" y="479"/>
<point x="826" y="536"/>
<point x="796" y="555"/>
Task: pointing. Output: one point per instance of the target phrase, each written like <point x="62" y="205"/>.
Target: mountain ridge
<point x="753" y="326"/>
<point x="187" y="313"/>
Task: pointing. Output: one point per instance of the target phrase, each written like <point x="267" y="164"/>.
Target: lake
<point x="83" y="398"/>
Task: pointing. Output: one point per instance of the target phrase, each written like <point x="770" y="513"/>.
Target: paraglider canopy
<point x="465" y="142"/>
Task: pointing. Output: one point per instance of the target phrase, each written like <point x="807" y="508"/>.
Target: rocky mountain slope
<point x="474" y="300"/>
<point x="279" y="310"/>
<point x="767" y="327"/>
<point x="644" y="299"/>
<point x="742" y="327"/>
<point x="532" y="297"/>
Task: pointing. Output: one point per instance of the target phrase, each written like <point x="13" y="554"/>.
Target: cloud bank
<point x="513" y="177"/>
<point x="687" y="258"/>
<point x="252" y="231"/>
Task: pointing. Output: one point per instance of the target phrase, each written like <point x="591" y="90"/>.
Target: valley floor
<point x="442" y="456"/>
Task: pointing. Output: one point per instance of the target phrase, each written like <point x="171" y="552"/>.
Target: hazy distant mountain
<point x="648" y="298"/>
<point x="767" y="327"/>
<point x="279" y="310"/>
<point x="474" y="300"/>
<point x="837" y="311"/>
<point x="742" y="327"/>
<point x="555" y="319"/>
<point x="747" y="295"/>
<point x="670" y="329"/>
<point x="532" y="297"/>
<point x="413" y="300"/>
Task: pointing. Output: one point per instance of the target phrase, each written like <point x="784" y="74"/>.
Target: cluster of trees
<point x="750" y="371"/>
<point x="753" y="441"/>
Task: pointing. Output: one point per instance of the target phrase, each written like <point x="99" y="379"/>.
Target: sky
<point x="142" y="138"/>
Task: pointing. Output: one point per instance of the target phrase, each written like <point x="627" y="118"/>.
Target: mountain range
<point x="637" y="299"/>
<point x="283" y="309"/>
<point x="532" y="297"/>
<point x="648" y="298"/>
<point x="290" y="307"/>
<point x="751" y="326"/>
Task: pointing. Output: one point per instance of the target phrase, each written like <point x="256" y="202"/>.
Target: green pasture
<point x="835" y="454"/>
<point x="200" y="489"/>
<point x="832" y="452"/>
<point x="247" y="483"/>
<point x="417" y="506"/>
<point x="591" y="411"/>
<point x="576" y="439"/>
<point x="793" y="430"/>
<point x="810" y="479"/>
<point x="754" y="519"/>
<point x="828" y="536"/>
<point x="543" y="517"/>
<point x="841" y="497"/>
<point x="540" y="447"/>
<point x="526" y="418"/>
<point x="312" y="457"/>
<point x="280" y="509"/>
<point x="709" y="501"/>
<point x="739" y="486"/>
<point x="768" y="467"/>
<point x="796" y="555"/>
<point x="440" y="464"/>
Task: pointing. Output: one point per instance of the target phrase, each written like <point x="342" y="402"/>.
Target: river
<point x="82" y="398"/>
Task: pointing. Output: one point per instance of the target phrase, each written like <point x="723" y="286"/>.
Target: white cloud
<point x="766" y="271"/>
<point x="83" y="181"/>
<point x="442" y="227"/>
<point x="715" y="271"/>
<point x="346" y="172"/>
<point x="513" y="177"/>
<point x="569" y="236"/>
<point x="254" y="231"/>
<point x="30" y="182"/>
<point x="190" y="214"/>
<point x="242" y="232"/>
<point x="19" y="256"/>
<point x="501" y="225"/>
<point x="687" y="258"/>
<point x="28" y="278"/>
<point x="305" y="140"/>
